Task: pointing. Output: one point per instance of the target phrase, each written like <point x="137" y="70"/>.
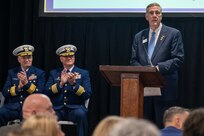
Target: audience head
<point x="47" y="123"/>
<point x="175" y="116"/>
<point x="37" y="103"/>
<point x="26" y="132"/>
<point x="134" y="127"/>
<point x="194" y="124"/>
<point x="105" y="125"/>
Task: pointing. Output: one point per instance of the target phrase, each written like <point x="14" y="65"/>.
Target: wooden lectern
<point x="132" y="80"/>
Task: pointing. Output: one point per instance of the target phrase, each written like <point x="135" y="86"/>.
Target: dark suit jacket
<point x="68" y="96"/>
<point x="171" y="131"/>
<point x="168" y="55"/>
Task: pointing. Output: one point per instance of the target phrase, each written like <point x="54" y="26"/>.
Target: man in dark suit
<point x="159" y="46"/>
<point x="21" y="82"/>
<point x="173" y="119"/>
<point x="68" y="88"/>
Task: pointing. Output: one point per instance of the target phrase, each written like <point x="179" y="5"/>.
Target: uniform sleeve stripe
<point x="54" y="88"/>
<point x="32" y="88"/>
<point x="13" y="90"/>
<point x="80" y="91"/>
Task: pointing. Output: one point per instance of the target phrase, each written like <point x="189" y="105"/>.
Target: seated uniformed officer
<point x="21" y="82"/>
<point x="69" y="87"/>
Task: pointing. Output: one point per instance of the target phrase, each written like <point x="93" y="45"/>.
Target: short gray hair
<point x="134" y="127"/>
<point x="172" y="111"/>
<point x="153" y="4"/>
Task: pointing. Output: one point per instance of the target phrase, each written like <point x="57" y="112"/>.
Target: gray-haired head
<point x="151" y="5"/>
<point x="172" y="111"/>
<point x="134" y="127"/>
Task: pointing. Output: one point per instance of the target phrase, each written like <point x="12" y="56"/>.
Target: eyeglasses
<point x="154" y="12"/>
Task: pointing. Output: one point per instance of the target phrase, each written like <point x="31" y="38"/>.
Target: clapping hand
<point x="22" y="79"/>
<point x="67" y="77"/>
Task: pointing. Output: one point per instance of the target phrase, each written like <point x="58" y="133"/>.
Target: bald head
<point x="35" y="104"/>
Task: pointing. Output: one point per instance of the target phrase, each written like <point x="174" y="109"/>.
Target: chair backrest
<point x="87" y="103"/>
<point x="2" y="99"/>
<point x="63" y="122"/>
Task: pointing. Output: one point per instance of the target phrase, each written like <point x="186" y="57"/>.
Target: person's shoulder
<point x="56" y="70"/>
<point x="170" y="129"/>
<point x="13" y="70"/>
<point x="168" y="28"/>
<point x="79" y="69"/>
<point x="142" y="32"/>
<point x="37" y="69"/>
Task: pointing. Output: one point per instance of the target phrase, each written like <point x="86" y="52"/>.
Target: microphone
<point x="148" y="59"/>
